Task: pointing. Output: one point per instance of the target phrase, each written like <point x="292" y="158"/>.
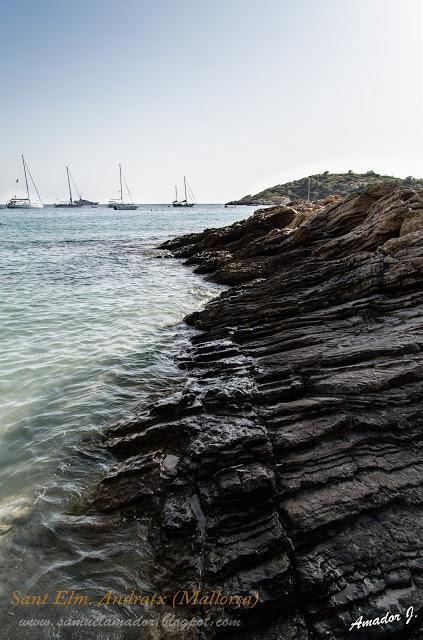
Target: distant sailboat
<point x="25" y="203"/>
<point x="119" y="204"/>
<point x="185" y="202"/>
<point x="71" y="202"/>
<point x="80" y="202"/>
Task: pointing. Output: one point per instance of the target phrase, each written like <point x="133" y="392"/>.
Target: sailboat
<point x="71" y="202"/>
<point x="119" y="204"/>
<point x="25" y="203"/>
<point x="185" y="202"/>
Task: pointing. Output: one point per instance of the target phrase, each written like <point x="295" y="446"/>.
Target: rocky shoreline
<point x="291" y="463"/>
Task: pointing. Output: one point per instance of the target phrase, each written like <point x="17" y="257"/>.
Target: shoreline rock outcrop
<point x="291" y="463"/>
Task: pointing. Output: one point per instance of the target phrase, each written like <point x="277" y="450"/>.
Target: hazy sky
<point x="237" y="94"/>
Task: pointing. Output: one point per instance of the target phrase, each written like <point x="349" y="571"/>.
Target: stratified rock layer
<point x="291" y="464"/>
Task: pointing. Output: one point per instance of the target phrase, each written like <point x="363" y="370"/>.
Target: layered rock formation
<point x="291" y="464"/>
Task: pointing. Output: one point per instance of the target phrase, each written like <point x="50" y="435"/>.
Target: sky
<point x="238" y="95"/>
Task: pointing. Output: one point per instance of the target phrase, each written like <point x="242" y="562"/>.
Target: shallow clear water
<point x="90" y="321"/>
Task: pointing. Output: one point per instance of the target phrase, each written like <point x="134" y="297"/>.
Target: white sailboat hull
<point x="16" y="203"/>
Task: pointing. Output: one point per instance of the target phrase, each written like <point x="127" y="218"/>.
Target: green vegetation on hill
<point x="323" y="185"/>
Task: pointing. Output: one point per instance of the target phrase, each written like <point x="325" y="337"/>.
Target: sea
<point x="91" y="319"/>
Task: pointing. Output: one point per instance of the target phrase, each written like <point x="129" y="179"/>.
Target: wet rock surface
<point x="291" y="464"/>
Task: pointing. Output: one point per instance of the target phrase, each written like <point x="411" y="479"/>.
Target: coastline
<point x="289" y="464"/>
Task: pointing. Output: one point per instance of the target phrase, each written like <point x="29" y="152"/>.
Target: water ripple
<point x="90" y="322"/>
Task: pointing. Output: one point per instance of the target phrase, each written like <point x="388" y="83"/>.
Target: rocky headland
<point x="323" y="185"/>
<point x="291" y="463"/>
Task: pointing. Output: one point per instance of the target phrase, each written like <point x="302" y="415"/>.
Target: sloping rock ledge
<point x="291" y="464"/>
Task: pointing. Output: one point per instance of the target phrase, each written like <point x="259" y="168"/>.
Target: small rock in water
<point x="15" y="512"/>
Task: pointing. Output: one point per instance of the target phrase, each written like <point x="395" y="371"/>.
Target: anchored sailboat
<point x="119" y="204"/>
<point x="26" y="203"/>
<point x="185" y="202"/>
<point x="80" y="202"/>
<point x="71" y="202"/>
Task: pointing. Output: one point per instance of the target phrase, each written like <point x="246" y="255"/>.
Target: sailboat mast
<point x="120" y="178"/>
<point x="26" y="177"/>
<point x="69" y="184"/>
<point x="185" y="187"/>
<point x="176" y="193"/>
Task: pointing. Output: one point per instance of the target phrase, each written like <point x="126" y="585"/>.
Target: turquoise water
<point x="90" y="322"/>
